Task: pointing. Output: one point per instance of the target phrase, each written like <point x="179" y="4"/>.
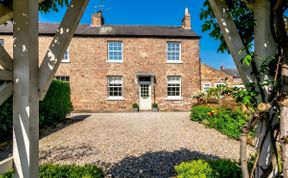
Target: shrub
<point x="155" y="105"/>
<point x="6" y="119"/>
<point x="56" y="105"/>
<point x="135" y="105"/>
<point x="225" y="120"/>
<point x="194" y="169"/>
<point x="208" y="169"/>
<point x="199" y="113"/>
<point x="65" y="171"/>
<point x="53" y="109"/>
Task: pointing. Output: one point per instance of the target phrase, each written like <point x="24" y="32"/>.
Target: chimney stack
<point x="97" y="19"/>
<point x="186" y="22"/>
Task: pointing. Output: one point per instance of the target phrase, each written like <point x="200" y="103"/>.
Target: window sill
<point x="174" y="98"/>
<point x="115" y="99"/>
<point x="114" y="61"/>
<point x="65" y="62"/>
<point x="174" y="62"/>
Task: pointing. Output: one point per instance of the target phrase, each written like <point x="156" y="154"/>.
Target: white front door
<point x="145" y="97"/>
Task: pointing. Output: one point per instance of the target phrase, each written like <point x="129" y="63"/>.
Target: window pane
<point x="173" y="51"/>
<point x="115" y="50"/>
<point x="115" y="86"/>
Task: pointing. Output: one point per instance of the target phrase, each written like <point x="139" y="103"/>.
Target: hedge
<point x="65" y="171"/>
<point x="221" y="168"/>
<point x="225" y="120"/>
<point x="52" y="110"/>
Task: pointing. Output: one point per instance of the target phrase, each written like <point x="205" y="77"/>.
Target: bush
<point x="56" y="105"/>
<point x="208" y="169"/>
<point x="66" y="171"/>
<point x="154" y="105"/>
<point x="194" y="169"/>
<point x="135" y="105"/>
<point x="225" y="120"/>
<point x="199" y="113"/>
<point x="53" y="109"/>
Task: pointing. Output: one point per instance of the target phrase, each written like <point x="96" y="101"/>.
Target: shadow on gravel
<point x="154" y="164"/>
<point x="69" y="121"/>
<point x="6" y="148"/>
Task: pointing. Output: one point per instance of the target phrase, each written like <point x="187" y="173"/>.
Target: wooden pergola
<point x="26" y="81"/>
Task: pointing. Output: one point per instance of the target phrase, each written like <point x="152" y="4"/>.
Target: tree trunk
<point x="284" y="119"/>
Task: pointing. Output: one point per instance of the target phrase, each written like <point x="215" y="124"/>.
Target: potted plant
<point x="135" y="107"/>
<point x="155" y="107"/>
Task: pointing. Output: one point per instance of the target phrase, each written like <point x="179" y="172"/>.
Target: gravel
<point x="145" y="144"/>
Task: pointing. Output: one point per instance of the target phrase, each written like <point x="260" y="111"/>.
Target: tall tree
<point x="255" y="33"/>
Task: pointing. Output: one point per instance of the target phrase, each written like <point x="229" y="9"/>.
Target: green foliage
<point x="135" y="105"/>
<point x="65" y="171"/>
<point x="245" y="97"/>
<point x="248" y="59"/>
<point x="54" y="5"/>
<point x="225" y="120"/>
<point x="8" y="174"/>
<point x="6" y="119"/>
<point x="242" y="16"/>
<point x="194" y="169"/>
<point x="70" y="171"/>
<point x="200" y="113"/>
<point x="56" y="105"/>
<point x="155" y="105"/>
<point x="208" y="169"/>
<point x="53" y="109"/>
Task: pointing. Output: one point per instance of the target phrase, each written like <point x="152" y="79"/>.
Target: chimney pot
<point x="186" y="22"/>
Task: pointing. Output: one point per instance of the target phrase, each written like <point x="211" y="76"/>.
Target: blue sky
<point x="153" y="12"/>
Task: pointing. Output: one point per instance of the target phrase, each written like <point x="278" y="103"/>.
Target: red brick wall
<point x="88" y="71"/>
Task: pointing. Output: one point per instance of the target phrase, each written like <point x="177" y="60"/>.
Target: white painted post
<point x="59" y="44"/>
<point x="25" y="89"/>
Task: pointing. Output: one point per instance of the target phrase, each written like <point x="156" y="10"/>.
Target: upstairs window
<point x="115" y="85"/>
<point x="174" y="87"/>
<point x="115" y="51"/>
<point x="206" y="87"/>
<point x="1" y="42"/>
<point x="174" y="52"/>
<point x="66" y="57"/>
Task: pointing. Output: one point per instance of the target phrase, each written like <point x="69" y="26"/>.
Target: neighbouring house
<point x="211" y="77"/>
<point x="111" y="67"/>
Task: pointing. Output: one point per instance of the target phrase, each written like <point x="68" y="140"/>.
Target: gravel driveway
<point x="141" y="144"/>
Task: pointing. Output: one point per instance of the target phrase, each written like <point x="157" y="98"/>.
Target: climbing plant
<point x="254" y="32"/>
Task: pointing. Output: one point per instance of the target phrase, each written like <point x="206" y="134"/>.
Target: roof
<point x="232" y="72"/>
<point x="229" y="71"/>
<point x="113" y="31"/>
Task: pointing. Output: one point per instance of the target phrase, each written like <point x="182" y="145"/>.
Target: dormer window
<point x="173" y="52"/>
<point x="115" y="51"/>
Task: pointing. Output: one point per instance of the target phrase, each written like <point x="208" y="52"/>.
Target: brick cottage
<point x="112" y="67"/>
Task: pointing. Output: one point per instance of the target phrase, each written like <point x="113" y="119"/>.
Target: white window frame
<point x="108" y="51"/>
<point x="108" y="88"/>
<point x="180" y="52"/>
<point x="204" y="88"/>
<point x="239" y="86"/>
<point x="67" y="55"/>
<point x="236" y="79"/>
<point x="219" y="83"/>
<point x="64" y="78"/>
<point x="174" y="82"/>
